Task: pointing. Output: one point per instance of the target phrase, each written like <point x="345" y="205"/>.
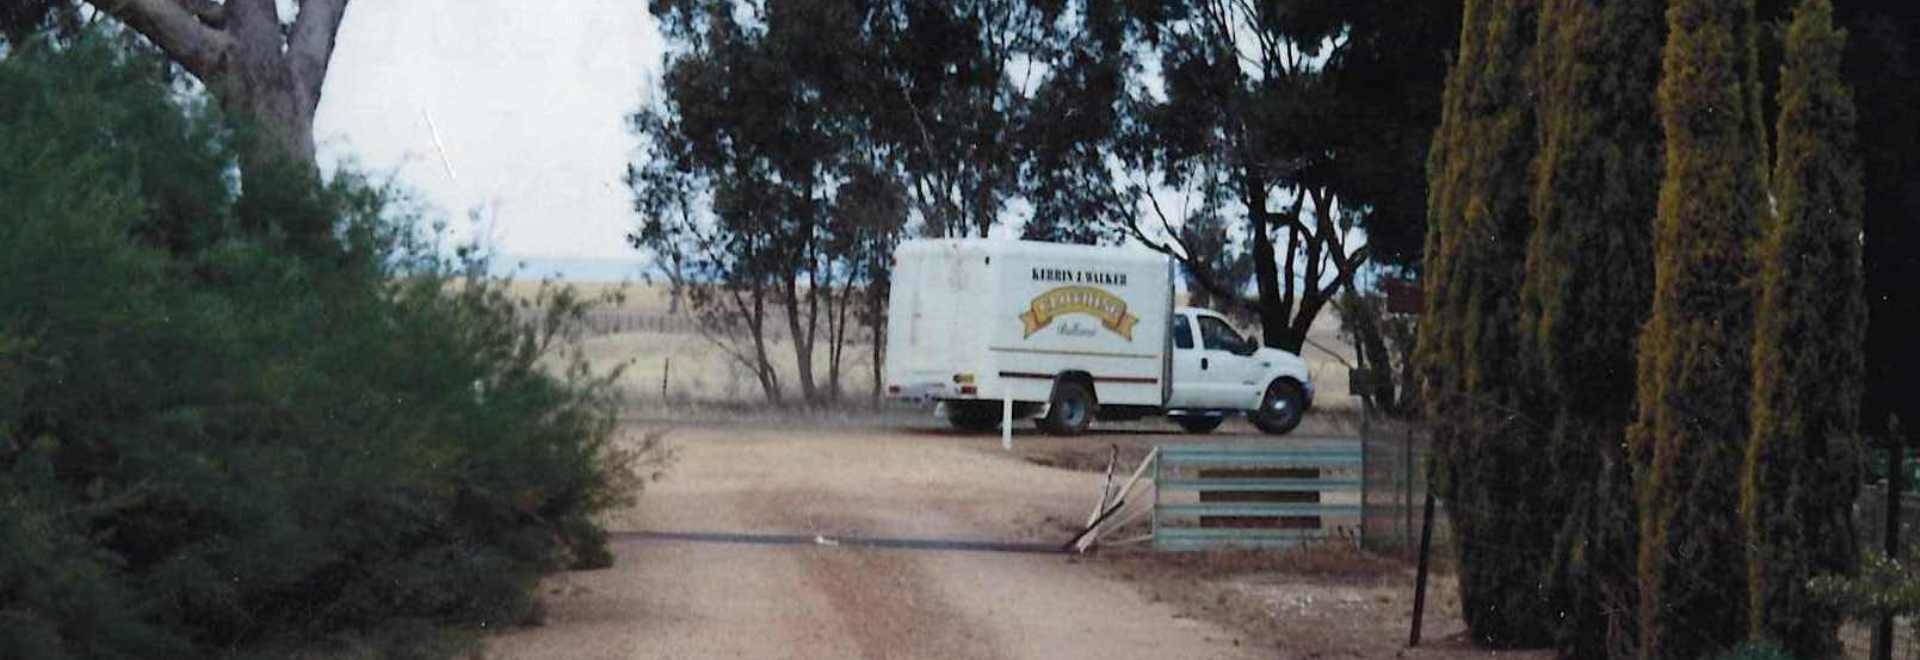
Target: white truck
<point x="1070" y="333"/>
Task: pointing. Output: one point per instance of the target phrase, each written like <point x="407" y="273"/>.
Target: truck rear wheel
<point x="973" y="417"/>
<point x="1199" y="424"/>
<point x="1070" y="411"/>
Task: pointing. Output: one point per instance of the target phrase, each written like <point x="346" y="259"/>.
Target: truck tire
<point x="973" y="418"/>
<point x="1281" y="408"/>
<point x="1070" y="411"/>
<point x="1200" y="424"/>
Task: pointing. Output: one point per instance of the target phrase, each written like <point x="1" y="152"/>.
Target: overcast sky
<point x="529" y="100"/>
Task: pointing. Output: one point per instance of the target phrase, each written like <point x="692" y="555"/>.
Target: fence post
<point x="1896" y="468"/>
<point x="1006" y="420"/>
<point x="1420" y="576"/>
<point x="1366" y="439"/>
<point x="1406" y="491"/>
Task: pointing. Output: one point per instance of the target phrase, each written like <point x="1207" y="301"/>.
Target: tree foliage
<point x="1802" y="469"/>
<point x="770" y="182"/>
<point x="1688" y="440"/>
<point x="217" y="448"/>
<point x="1587" y="288"/>
<point x="1471" y="359"/>
<point x="1285" y="126"/>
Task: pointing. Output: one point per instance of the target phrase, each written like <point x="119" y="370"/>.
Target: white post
<point x="1006" y="420"/>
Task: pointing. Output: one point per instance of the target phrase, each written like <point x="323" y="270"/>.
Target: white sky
<point x="529" y="99"/>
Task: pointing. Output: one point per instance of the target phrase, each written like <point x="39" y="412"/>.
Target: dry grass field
<point x="678" y="366"/>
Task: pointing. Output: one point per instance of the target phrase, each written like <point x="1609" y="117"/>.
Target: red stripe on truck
<point x="1145" y="380"/>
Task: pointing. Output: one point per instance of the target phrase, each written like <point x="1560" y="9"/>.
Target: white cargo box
<point x="991" y="319"/>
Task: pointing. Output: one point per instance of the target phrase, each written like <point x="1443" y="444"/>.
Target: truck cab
<point x="1217" y="372"/>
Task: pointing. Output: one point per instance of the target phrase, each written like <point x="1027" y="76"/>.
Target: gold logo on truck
<point x="1109" y="308"/>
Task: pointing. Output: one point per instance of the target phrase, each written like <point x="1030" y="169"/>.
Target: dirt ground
<point x="906" y="477"/>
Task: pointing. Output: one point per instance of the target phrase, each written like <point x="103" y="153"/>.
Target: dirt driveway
<point x="695" y="599"/>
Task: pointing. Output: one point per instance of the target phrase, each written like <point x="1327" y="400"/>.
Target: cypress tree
<point x="1689" y="438"/>
<point x="1800" y="482"/>
<point x="1589" y="278"/>
<point x="1485" y="462"/>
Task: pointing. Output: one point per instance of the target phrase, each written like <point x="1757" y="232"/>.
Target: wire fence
<point x="1394" y="496"/>
<point x="1870" y="517"/>
<point x="1395" y="487"/>
<point x="612" y="321"/>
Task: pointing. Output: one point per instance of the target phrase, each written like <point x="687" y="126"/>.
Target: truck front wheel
<point x="1070" y="411"/>
<point x="1281" y="408"/>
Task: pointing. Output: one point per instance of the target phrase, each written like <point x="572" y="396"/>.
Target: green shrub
<point x="1471" y="358"/>
<point x="1588" y="284"/>
<point x="1688" y="439"/>
<point x="1802" y="472"/>
<point x="214" y="445"/>
<point x="1882" y="587"/>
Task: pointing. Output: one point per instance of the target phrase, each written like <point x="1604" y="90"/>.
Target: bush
<point x="214" y="446"/>
<point x="1884" y="587"/>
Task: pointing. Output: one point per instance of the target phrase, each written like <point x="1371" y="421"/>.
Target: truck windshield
<point x="1182" y="332"/>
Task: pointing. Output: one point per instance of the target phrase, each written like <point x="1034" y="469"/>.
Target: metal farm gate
<point x="1216" y="496"/>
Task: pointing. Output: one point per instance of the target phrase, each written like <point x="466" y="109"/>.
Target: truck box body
<point x="977" y="319"/>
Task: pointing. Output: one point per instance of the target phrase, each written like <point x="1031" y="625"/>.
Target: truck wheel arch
<point x="1077" y="377"/>
<point x="1052" y="421"/>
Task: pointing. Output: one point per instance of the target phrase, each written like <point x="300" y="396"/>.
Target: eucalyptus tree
<point x="1289" y="126"/>
<point x="266" y="71"/>
<point x="773" y="177"/>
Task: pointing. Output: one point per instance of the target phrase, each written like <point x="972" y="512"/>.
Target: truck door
<point x="1227" y="366"/>
<point x="1189" y="381"/>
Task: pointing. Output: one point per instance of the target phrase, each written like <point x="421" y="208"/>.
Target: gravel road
<point x="698" y="599"/>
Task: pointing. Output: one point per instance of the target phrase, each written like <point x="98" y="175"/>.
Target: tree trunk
<point x="802" y="342"/>
<point x="879" y="356"/>
<point x="1266" y="271"/>
<point x="769" y="379"/>
<point x="266" y="77"/>
<point x="255" y="82"/>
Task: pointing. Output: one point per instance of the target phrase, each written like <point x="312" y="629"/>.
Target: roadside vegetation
<point x="222" y="439"/>
<point x="1700" y="466"/>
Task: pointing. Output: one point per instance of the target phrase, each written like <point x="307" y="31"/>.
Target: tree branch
<point x="310" y="46"/>
<point x="209" y="13"/>
<point x="177" y="31"/>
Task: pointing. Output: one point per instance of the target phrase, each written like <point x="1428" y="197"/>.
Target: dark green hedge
<point x="213" y="445"/>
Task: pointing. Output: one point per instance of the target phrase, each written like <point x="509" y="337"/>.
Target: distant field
<point x="658" y="346"/>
